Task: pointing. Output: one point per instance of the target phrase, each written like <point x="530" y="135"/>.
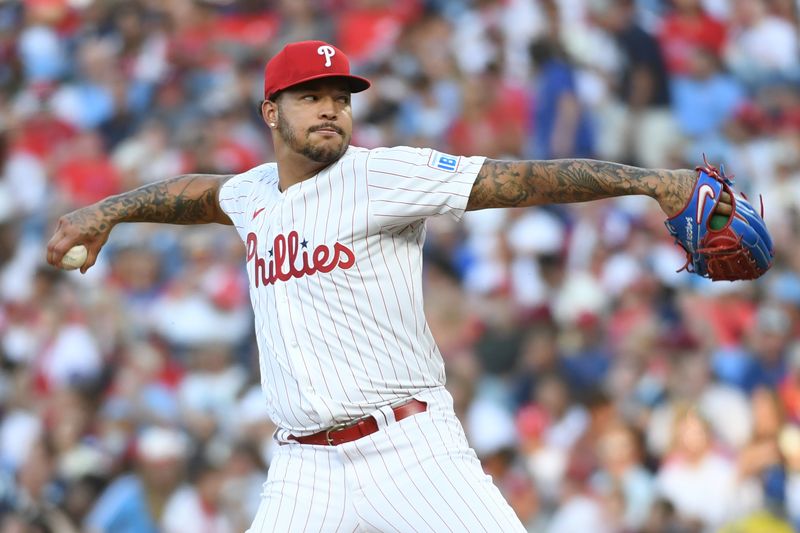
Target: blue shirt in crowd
<point x="122" y="508"/>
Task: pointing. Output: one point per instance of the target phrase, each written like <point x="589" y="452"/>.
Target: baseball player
<point x="333" y="234"/>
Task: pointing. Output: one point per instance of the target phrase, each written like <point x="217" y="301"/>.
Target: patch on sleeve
<point x="443" y="161"/>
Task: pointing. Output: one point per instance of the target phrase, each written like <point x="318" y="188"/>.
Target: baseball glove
<point x="741" y="248"/>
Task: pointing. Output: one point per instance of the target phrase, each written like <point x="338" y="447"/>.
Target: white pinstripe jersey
<point x="335" y="269"/>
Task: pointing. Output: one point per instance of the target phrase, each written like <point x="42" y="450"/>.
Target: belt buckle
<point x="335" y="427"/>
<point x="340" y="426"/>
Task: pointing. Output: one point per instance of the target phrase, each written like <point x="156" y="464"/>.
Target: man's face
<point x="314" y="119"/>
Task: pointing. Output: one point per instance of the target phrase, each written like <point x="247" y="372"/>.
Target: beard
<point x="319" y="153"/>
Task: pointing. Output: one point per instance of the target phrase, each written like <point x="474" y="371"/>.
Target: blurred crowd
<point x="602" y="390"/>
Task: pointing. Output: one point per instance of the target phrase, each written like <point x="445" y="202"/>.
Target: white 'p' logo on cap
<point x="328" y="52"/>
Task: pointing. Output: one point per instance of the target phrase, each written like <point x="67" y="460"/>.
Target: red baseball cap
<point x="305" y="61"/>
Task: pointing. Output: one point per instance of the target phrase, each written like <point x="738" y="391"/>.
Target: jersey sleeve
<point x="234" y="198"/>
<point x="408" y="184"/>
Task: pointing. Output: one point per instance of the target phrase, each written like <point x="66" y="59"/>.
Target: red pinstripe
<point x="388" y="472"/>
<point x="416" y="203"/>
<point x="411" y="504"/>
<point x="285" y="351"/>
<point x="376" y="158"/>
<point x="291" y="319"/>
<point x="449" y="480"/>
<point x="430" y="481"/>
<point x="278" y="501"/>
<point x="328" y="491"/>
<point x="406" y="279"/>
<point x="267" y="220"/>
<point x="339" y="297"/>
<point x="456" y="433"/>
<point x="313" y="491"/>
<point x="380" y="286"/>
<point x="480" y="478"/>
<point x="236" y="197"/>
<point x="302" y="307"/>
<point x="373" y="526"/>
<point x="416" y="290"/>
<point x="418" y="177"/>
<point x="298" y="482"/>
<point x="399" y="307"/>
<point x="322" y="292"/>
<point x="393" y="215"/>
<point x="405" y="149"/>
<point x="358" y="268"/>
<point x="313" y="487"/>
<point x="345" y="503"/>
<point x="377" y="486"/>
<point x="352" y="294"/>
<point x="314" y="305"/>
<point x="414" y="190"/>
<point x="425" y="329"/>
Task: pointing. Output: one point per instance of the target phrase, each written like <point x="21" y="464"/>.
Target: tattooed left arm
<point x="527" y="183"/>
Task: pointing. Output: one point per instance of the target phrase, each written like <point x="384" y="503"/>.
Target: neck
<point x="294" y="168"/>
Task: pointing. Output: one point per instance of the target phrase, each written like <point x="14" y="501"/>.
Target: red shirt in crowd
<point x="680" y="34"/>
<point x="87" y="180"/>
<point x="363" y="32"/>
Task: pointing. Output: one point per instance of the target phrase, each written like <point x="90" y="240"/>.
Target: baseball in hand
<point x="75" y="257"/>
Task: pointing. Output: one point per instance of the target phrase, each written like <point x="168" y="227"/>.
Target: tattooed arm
<point x="188" y="199"/>
<point x="526" y="183"/>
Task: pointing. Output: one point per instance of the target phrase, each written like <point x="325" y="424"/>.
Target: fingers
<point x="65" y="237"/>
<point x="57" y="247"/>
<point x="60" y="243"/>
<point x="724" y="206"/>
<point x="55" y="252"/>
<point x="723" y="209"/>
<point x="52" y="243"/>
<point x="91" y="258"/>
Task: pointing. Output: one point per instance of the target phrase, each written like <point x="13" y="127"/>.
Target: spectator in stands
<point x="561" y="126"/>
<point x="622" y="470"/>
<point x="685" y="28"/>
<point x="705" y="97"/>
<point x="762" y="46"/>
<point x="135" y="503"/>
<point x="696" y="478"/>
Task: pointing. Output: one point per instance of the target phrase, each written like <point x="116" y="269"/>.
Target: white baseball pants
<point x="415" y="475"/>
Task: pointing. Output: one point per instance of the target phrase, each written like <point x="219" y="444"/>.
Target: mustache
<point x="327" y="126"/>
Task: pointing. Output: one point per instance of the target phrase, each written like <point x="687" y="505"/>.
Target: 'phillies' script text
<point x="283" y="263"/>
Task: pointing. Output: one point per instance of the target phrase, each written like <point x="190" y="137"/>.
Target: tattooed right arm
<point x="187" y="199"/>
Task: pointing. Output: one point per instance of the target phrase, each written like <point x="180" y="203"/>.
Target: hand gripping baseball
<point x="739" y="248"/>
<point x="87" y="226"/>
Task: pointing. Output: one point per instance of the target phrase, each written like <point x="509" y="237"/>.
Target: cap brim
<point x="357" y="83"/>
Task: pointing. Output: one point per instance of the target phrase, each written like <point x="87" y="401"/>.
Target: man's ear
<point x="269" y="112"/>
